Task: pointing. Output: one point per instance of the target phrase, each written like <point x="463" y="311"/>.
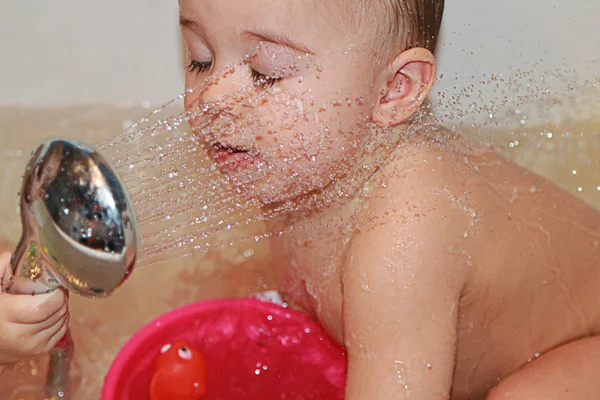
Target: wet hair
<point x="412" y="23"/>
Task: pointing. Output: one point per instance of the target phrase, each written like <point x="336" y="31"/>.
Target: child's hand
<point x="29" y="325"/>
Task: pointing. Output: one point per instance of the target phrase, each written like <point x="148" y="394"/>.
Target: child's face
<point x="295" y="84"/>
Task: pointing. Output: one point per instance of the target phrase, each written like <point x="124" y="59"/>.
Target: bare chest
<point x="308" y="273"/>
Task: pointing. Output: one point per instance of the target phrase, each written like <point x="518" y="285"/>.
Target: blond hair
<point x="416" y="22"/>
<point x="401" y="24"/>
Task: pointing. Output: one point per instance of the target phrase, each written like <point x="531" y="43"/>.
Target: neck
<point x="342" y="192"/>
<point x="316" y="228"/>
<point x="307" y="255"/>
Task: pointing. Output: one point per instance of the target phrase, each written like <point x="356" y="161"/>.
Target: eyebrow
<point x="188" y="23"/>
<point x="261" y="36"/>
<point x="280" y="40"/>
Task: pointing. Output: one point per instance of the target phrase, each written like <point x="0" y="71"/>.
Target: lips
<point x="232" y="158"/>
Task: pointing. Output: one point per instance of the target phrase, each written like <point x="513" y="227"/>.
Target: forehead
<point x="300" y="7"/>
<point x="295" y="17"/>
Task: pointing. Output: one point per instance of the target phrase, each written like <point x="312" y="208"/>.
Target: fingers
<point x="30" y="325"/>
<point x="46" y="339"/>
<point x="27" y="309"/>
<point x="29" y="340"/>
<point x="60" y="333"/>
<point x="61" y="314"/>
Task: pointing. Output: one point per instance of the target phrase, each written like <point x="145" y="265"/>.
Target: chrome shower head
<point x="79" y="227"/>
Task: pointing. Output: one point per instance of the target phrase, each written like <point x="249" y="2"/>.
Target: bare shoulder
<point x="420" y="210"/>
<point x="425" y="187"/>
<point x="466" y="188"/>
<point x="463" y="200"/>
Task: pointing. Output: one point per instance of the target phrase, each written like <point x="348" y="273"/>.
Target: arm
<point x="569" y="372"/>
<point x="402" y="284"/>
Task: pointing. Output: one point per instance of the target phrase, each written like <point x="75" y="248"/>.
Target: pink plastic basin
<point x="255" y="350"/>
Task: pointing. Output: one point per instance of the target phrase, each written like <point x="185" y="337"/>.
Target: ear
<point x="407" y="84"/>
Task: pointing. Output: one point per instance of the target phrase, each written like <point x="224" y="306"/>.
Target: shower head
<point x="79" y="227"/>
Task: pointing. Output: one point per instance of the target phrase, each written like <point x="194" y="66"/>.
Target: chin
<point x="291" y="193"/>
<point x="274" y="185"/>
<point x="267" y="195"/>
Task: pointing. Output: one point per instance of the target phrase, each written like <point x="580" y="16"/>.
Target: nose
<point x="218" y="90"/>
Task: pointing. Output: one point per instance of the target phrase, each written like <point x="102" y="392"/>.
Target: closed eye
<point x="263" y="81"/>
<point x="199" y="66"/>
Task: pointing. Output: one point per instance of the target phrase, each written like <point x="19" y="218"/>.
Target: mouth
<point x="232" y="158"/>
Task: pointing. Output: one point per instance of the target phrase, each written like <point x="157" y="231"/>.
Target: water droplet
<point x="401" y="375"/>
<point x="364" y="282"/>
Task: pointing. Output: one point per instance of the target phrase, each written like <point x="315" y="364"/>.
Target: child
<point x="29" y="325"/>
<point x="440" y="266"/>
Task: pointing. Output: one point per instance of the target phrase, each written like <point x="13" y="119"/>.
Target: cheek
<point x="317" y="131"/>
<point x="349" y="95"/>
<point x="313" y="155"/>
<point x="191" y="96"/>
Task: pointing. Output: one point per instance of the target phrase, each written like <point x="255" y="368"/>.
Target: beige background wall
<point x="90" y="51"/>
